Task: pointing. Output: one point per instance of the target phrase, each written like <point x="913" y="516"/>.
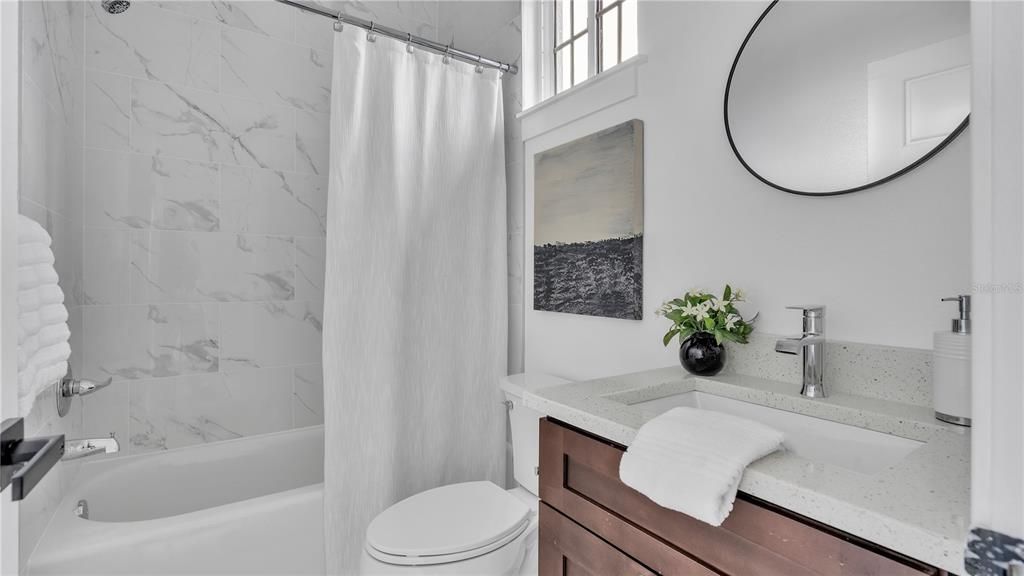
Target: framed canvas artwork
<point x="588" y="225"/>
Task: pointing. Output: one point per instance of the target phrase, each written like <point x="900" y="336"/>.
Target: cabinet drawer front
<point x="580" y="478"/>
<point x="566" y="548"/>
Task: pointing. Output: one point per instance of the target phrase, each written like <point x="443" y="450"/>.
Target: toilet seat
<point x="447" y="524"/>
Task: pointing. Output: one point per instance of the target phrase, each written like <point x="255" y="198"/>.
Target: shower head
<point x="115" y="6"/>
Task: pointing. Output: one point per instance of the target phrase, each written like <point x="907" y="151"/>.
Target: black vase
<point x="702" y="355"/>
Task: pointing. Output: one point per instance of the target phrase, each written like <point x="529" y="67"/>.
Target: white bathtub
<point x="247" y="506"/>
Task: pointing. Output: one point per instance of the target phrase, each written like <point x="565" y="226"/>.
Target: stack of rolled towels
<point x="43" y="333"/>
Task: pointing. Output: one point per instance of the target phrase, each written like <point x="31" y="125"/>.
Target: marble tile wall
<point x="204" y="192"/>
<point x="50" y="193"/>
<point x="178" y="154"/>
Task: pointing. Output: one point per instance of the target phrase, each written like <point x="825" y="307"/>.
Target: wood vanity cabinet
<point x="593" y="524"/>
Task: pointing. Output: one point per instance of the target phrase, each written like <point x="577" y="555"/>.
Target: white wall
<point x="880" y="260"/>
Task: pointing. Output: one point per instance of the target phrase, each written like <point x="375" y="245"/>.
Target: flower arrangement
<point x="699" y="311"/>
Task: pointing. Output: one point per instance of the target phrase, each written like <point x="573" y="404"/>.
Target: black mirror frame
<point x="728" y="132"/>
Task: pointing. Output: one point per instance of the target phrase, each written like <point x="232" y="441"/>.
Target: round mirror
<point x="832" y="97"/>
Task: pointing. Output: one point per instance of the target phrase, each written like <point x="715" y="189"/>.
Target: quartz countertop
<point x="920" y="507"/>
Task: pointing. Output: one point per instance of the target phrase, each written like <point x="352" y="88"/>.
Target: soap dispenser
<point x="951" y="367"/>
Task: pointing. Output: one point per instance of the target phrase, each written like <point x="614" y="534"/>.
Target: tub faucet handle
<point x="71" y="386"/>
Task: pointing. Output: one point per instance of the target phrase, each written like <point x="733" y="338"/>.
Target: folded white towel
<point x="692" y="460"/>
<point x="34" y="275"/>
<point x="35" y="253"/>
<point x="43" y="334"/>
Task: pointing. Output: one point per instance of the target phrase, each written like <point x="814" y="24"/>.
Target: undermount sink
<point x="810" y="438"/>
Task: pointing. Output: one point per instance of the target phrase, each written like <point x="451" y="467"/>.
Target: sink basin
<point x="810" y="438"/>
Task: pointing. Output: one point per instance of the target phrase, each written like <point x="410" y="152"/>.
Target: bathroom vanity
<point x="857" y="491"/>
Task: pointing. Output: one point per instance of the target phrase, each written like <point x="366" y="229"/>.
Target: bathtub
<point x="247" y="506"/>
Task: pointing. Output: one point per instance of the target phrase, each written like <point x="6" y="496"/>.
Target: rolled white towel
<point x="43" y="334"/>
<point x="36" y="298"/>
<point x="34" y="275"/>
<point x="692" y="460"/>
<point x="36" y="253"/>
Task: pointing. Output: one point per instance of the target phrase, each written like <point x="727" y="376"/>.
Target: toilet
<point x="471" y="528"/>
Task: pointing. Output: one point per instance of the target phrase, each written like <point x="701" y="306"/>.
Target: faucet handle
<point x="810" y="310"/>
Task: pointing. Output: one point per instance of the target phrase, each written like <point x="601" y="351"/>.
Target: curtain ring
<point x="338" y="24"/>
<point x="370" y="36"/>
<point x="408" y="46"/>
<point x="479" y="66"/>
<point x="447" y="56"/>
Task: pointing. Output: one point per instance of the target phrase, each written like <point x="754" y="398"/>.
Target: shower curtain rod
<point x="406" y="37"/>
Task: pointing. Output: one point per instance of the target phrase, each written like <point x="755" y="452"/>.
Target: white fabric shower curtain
<point x="415" y="312"/>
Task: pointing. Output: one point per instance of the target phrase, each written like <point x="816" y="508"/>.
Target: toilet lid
<point x="450" y="520"/>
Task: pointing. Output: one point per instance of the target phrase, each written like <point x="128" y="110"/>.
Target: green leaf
<point x="728" y="293"/>
<point x="675" y="316"/>
<point x="709" y="323"/>
<point x="669" y="335"/>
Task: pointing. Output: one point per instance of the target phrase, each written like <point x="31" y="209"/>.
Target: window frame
<point x="594" y="34"/>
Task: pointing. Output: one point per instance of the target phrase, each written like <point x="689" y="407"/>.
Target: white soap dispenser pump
<point x="951" y="367"/>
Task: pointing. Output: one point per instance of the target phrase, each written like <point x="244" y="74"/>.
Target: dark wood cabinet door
<point x="579" y="477"/>
<point x="567" y="549"/>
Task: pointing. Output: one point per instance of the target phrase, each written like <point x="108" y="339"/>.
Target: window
<point x="591" y="36"/>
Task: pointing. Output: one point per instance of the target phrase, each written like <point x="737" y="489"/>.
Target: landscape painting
<point x="588" y="225"/>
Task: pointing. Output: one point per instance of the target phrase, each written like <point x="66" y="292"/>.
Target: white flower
<point x="689" y="310"/>
<point x="701" y="311"/>
<point x="739" y="295"/>
<point x="721" y="304"/>
<point x="731" y="320"/>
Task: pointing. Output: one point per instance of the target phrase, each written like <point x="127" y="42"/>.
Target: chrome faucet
<point x="812" y="344"/>
<point x="75" y="449"/>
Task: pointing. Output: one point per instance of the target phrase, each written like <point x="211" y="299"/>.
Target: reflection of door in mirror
<point x="827" y="97"/>
<point x="913" y="99"/>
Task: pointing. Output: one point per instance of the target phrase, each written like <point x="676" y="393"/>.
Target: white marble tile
<point x="484" y="27"/>
<point x="52" y="54"/>
<point x="313" y="30"/>
<point x="261" y="16"/>
<point x="125" y="190"/>
<point x="105" y="266"/>
<point x="67" y="252"/>
<point x="308" y="396"/>
<point x="146" y="42"/>
<point x="273" y="202"/>
<point x="107" y="110"/>
<point x="106" y="412"/>
<point x="266" y="334"/>
<point x="139" y="342"/>
<point x="275" y="72"/>
<point x="204" y="266"/>
<point x="310" y="262"/>
<point x="312" y="142"/>
<point x="200" y="125"/>
<point x="419" y="17"/>
<point x="50" y="157"/>
<point x="174" y="412"/>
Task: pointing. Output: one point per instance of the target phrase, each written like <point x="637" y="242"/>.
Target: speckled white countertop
<point x="919" y="507"/>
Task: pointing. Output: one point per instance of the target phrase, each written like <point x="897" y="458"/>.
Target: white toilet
<point x="473" y="528"/>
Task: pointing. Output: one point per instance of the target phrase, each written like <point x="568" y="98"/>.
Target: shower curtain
<point x="415" y="312"/>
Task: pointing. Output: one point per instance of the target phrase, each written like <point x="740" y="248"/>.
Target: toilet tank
<point x="525" y="424"/>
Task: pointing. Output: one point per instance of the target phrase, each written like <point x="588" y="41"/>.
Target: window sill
<point x="590" y="96"/>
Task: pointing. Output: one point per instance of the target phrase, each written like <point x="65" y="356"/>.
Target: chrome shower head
<point x="115" y="6"/>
